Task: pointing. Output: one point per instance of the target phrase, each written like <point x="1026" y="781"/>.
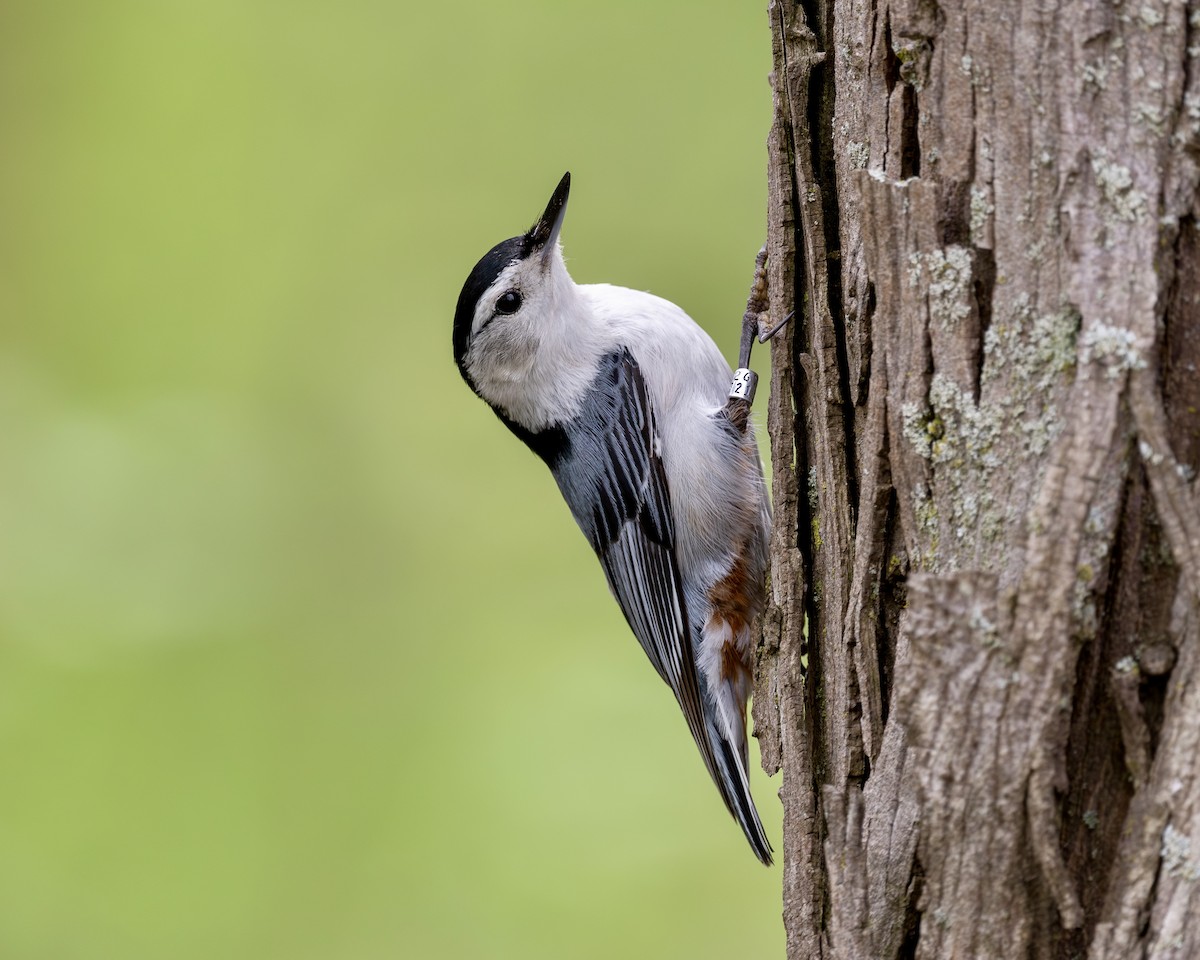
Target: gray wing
<point x="611" y="475"/>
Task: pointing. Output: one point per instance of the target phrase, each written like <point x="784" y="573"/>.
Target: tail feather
<point x="733" y="781"/>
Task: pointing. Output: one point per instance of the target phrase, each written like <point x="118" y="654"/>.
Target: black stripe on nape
<point x="484" y="274"/>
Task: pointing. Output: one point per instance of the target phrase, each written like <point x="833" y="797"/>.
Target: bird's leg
<point x="756" y="307"/>
<point x="745" y="380"/>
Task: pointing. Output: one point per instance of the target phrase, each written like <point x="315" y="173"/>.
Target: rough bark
<point x="979" y="664"/>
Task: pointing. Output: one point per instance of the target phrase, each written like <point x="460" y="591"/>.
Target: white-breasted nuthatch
<point x="624" y="396"/>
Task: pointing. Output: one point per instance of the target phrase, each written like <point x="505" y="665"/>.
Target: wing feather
<point x="616" y="486"/>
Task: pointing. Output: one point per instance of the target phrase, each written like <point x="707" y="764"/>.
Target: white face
<point x="511" y="321"/>
<point x="534" y="355"/>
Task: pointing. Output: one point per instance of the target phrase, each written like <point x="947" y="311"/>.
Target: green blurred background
<point x="301" y="655"/>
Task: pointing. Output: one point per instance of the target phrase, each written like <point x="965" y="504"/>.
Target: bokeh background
<point x="301" y="654"/>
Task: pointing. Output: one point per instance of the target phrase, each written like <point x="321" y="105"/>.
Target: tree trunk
<point x="979" y="667"/>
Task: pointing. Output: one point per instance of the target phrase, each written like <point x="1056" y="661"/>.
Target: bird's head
<point x="512" y="300"/>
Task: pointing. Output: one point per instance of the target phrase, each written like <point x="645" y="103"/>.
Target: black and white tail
<point x="731" y="774"/>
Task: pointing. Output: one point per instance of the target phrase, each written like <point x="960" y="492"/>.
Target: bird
<point x="623" y="396"/>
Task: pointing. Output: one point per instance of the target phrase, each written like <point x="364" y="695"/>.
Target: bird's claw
<point x="766" y="334"/>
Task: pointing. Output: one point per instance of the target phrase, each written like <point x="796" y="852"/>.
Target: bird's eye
<point x="509" y="302"/>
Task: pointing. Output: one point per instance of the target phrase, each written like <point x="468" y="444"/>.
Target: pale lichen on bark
<point x="978" y="669"/>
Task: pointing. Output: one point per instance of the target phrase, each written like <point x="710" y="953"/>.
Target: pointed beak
<point x="543" y="235"/>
